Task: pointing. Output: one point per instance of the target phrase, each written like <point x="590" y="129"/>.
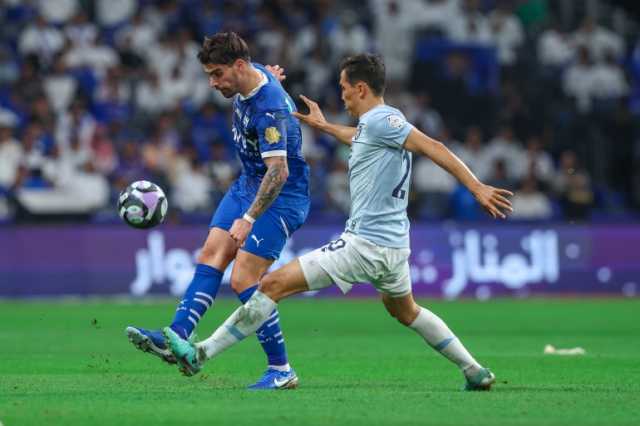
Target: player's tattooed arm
<point x="316" y="119"/>
<point x="271" y="185"/>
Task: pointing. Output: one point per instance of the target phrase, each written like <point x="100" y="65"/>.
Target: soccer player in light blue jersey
<point x="268" y="202"/>
<point x="375" y="244"/>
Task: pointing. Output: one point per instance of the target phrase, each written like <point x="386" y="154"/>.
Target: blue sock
<point x="269" y="334"/>
<point x="197" y="299"/>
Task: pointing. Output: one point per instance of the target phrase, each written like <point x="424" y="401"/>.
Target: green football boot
<point x="481" y="381"/>
<point x="185" y="352"/>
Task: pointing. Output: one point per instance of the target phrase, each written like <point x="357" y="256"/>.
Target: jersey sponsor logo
<point x="237" y="135"/>
<point x="243" y="141"/>
<point x="272" y="135"/>
<point x="395" y="121"/>
<point x="252" y="142"/>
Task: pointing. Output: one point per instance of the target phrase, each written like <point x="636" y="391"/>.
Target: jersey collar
<point x="371" y="111"/>
<point x="256" y="89"/>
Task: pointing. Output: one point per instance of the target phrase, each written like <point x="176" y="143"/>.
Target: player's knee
<point x="405" y="319"/>
<point x="408" y="316"/>
<point x="212" y="255"/>
<point x="206" y="254"/>
<point x="404" y="314"/>
<point x="402" y="317"/>
<point x="270" y="285"/>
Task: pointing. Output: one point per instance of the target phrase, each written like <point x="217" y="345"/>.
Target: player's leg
<point x="438" y="335"/>
<point x="243" y="322"/>
<point x="264" y="245"/>
<point x="247" y="270"/>
<point x="247" y="319"/>
<point x="315" y="270"/>
<point x="218" y="251"/>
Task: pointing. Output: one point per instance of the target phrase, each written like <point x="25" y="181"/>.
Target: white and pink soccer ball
<point x="142" y="204"/>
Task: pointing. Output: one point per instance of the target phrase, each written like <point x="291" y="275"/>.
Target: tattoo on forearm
<point x="270" y="188"/>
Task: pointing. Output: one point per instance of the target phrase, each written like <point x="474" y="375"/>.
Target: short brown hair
<point x="223" y="48"/>
<point x="367" y="68"/>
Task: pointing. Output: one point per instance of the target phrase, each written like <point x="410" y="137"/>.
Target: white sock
<point x="284" y="367"/>
<point x="436" y="333"/>
<point x="242" y="323"/>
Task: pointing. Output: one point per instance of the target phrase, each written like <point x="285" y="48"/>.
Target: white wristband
<point x="249" y="218"/>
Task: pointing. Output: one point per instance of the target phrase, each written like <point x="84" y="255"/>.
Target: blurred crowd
<point x="540" y="97"/>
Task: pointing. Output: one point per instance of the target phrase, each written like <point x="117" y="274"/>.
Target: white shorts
<point x="351" y="259"/>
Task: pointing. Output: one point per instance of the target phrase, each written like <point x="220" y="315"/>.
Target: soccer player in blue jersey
<point x="375" y="245"/>
<point x="268" y="202"/>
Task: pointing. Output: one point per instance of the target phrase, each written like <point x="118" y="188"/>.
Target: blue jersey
<point x="263" y="127"/>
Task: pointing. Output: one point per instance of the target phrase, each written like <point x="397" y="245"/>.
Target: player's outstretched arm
<point x="493" y="200"/>
<point x="316" y="119"/>
<point x="270" y="187"/>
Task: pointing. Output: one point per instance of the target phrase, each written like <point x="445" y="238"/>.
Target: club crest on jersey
<point x="272" y="135"/>
<point x="395" y="121"/>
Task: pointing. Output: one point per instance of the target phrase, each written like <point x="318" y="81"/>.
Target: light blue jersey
<point x="379" y="178"/>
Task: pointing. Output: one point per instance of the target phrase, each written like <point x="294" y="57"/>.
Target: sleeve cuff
<point x="405" y="137"/>
<point x="275" y="153"/>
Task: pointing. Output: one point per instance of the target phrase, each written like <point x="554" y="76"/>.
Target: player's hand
<point x="315" y="118"/>
<point x="277" y="71"/>
<point x="240" y="231"/>
<point x="494" y="200"/>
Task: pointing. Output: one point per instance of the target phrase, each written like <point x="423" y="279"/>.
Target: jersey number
<point x="335" y="245"/>
<point x="398" y="192"/>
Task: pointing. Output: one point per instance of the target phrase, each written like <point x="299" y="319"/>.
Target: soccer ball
<point x="142" y="205"/>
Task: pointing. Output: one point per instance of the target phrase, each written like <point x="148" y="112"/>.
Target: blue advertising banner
<point x="447" y="261"/>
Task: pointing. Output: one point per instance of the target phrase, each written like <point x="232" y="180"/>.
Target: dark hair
<point x="367" y="68"/>
<point x="224" y="49"/>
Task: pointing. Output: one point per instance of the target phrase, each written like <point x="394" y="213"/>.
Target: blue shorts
<point x="271" y="230"/>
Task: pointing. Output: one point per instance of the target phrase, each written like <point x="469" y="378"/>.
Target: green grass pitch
<point x="70" y="364"/>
